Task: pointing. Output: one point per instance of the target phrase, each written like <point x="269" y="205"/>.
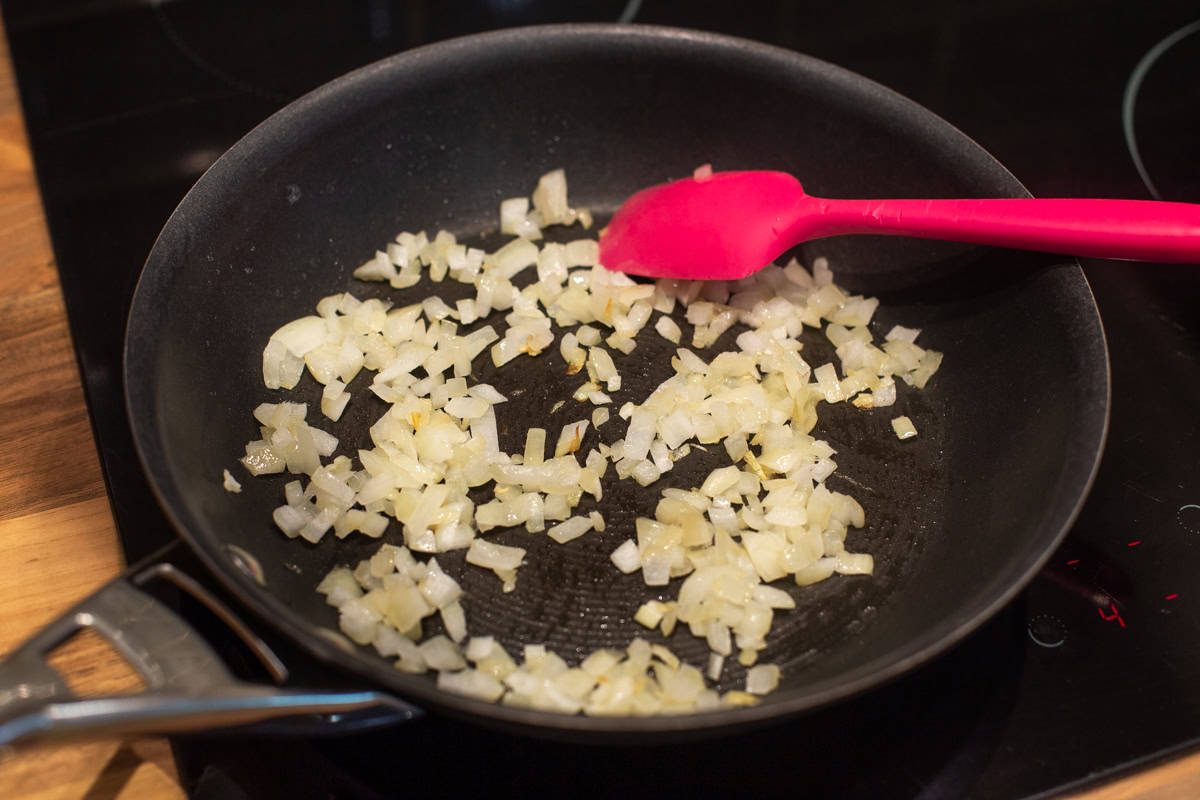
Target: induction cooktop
<point x="1093" y="671"/>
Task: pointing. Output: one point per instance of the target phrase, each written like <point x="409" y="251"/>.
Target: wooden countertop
<point x="57" y="539"/>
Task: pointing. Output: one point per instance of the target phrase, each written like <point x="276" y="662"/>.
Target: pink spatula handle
<point x="1139" y="230"/>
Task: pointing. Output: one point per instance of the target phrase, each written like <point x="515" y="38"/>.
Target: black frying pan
<point x="959" y="520"/>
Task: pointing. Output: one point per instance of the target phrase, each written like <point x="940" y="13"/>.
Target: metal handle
<point x="188" y="686"/>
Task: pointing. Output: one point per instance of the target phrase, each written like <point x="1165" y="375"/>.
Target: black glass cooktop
<point x="1095" y="669"/>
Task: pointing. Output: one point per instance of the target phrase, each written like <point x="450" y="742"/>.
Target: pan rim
<point x="140" y="406"/>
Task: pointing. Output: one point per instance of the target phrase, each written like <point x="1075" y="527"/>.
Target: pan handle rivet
<point x="246" y="563"/>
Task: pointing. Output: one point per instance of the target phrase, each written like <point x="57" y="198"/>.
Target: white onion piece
<point x="570" y="529"/>
<point x="650" y="613"/>
<point x="438" y="588"/>
<point x="455" y="621"/>
<point x="441" y="653"/>
<point x="302" y="335"/>
<point x="762" y="679"/>
<point x="626" y="557"/>
<point x="668" y="329"/>
<point x="716" y="663"/>
<point x="550" y="198"/>
<point x="904" y="428"/>
<point x="570" y="437"/>
<point x="229" y="483"/>
<point x="490" y="555"/>
<point x="471" y="683"/>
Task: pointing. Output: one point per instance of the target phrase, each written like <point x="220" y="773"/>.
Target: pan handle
<point x="188" y="687"/>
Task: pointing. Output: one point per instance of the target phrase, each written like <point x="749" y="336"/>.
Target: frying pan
<point x="1012" y="427"/>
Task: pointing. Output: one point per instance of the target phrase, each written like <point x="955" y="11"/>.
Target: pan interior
<point x="958" y="519"/>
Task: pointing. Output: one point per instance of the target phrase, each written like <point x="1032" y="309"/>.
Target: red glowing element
<point x="1171" y="596"/>
<point x="1135" y="544"/>
<point x="1073" y="561"/>
<point x="1110" y="617"/>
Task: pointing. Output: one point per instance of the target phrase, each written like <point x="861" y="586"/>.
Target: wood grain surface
<point x="57" y="539"/>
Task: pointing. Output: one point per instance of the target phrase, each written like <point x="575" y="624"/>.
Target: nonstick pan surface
<point x="958" y="520"/>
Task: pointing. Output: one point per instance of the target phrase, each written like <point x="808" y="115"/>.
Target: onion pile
<point x="765" y="517"/>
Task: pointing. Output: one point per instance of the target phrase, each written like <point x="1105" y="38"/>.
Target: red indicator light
<point x="1073" y="561"/>
<point x="1171" y="596"/>
<point x="1135" y="544"/>
<point x="1115" y="615"/>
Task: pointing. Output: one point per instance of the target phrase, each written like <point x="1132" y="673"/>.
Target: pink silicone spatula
<point x="734" y="223"/>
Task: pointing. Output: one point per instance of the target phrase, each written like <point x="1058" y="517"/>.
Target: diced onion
<point x="230" y="483"/>
<point x="761" y="517"/>
<point x="570" y="529"/>
<point x="483" y="553"/>
<point x="904" y="428"/>
<point x="762" y="679"/>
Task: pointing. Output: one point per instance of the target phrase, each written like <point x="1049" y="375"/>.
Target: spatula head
<point x="725" y="226"/>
